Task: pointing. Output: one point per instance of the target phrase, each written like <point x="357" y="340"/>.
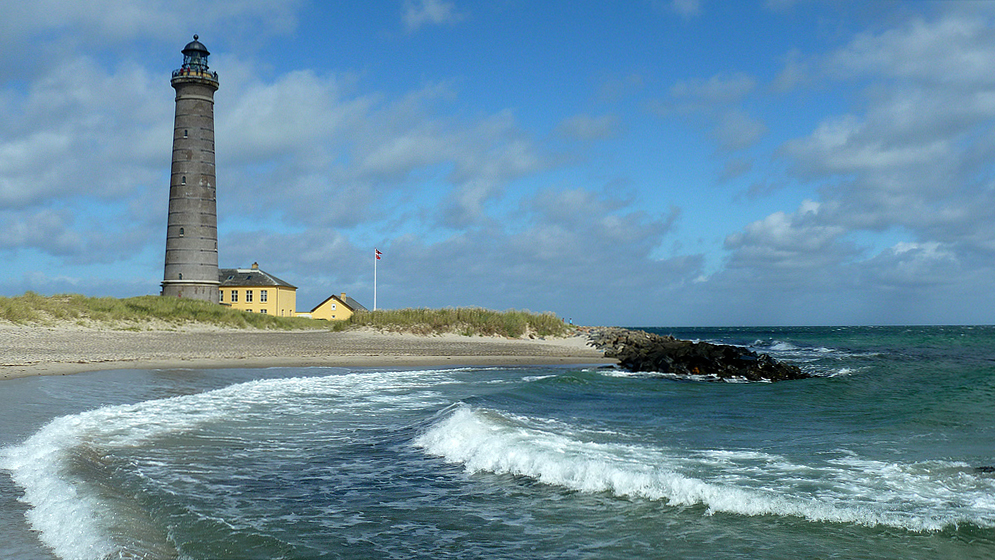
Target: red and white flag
<point x="378" y="253"/>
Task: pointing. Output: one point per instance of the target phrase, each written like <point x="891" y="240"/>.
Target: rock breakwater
<point x="642" y="351"/>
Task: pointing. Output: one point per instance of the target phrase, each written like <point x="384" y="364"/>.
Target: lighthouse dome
<point x="195" y="46"/>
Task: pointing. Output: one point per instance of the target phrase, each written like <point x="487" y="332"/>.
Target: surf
<point x="80" y="473"/>
<point x="845" y="489"/>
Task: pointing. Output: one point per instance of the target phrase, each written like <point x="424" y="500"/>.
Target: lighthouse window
<point x="184" y="133"/>
<point x="181" y="232"/>
<point x="183" y="180"/>
<point x="181" y="276"/>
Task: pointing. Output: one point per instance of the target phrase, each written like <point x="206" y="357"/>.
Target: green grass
<point x="157" y="312"/>
<point x="137" y="313"/>
<point x="467" y="321"/>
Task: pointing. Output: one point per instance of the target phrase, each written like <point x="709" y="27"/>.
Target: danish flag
<point x="378" y="253"/>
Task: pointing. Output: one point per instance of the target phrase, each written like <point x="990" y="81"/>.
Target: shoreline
<point x="32" y="351"/>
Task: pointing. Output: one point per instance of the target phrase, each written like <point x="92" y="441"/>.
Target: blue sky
<point x="641" y="163"/>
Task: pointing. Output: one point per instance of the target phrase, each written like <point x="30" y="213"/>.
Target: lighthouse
<point x="191" y="268"/>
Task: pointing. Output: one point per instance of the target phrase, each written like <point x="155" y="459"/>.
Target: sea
<point x="888" y="452"/>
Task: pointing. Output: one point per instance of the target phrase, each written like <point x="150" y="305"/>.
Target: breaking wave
<point x="845" y="489"/>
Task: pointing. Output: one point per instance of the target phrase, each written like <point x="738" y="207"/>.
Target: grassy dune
<point x="461" y="320"/>
<point x="163" y="313"/>
<point x="137" y="313"/>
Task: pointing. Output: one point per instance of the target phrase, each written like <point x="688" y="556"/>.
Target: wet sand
<point x="26" y="351"/>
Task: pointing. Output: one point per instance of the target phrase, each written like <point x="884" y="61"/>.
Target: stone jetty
<point x="638" y="350"/>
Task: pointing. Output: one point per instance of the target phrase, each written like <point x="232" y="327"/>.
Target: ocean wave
<point x="68" y="470"/>
<point x="749" y="483"/>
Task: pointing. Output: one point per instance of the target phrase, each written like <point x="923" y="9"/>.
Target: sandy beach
<point x="26" y="351"/>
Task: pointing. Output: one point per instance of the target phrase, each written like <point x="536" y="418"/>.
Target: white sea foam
<point x="532" y="378"/>
<point x="752" y="483"/>
<point x="75" y="519"/>
<point x="705" y="378"/>
<point x="67" y="519"/>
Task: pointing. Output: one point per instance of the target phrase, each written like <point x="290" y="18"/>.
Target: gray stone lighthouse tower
<point x="191" y="269"/>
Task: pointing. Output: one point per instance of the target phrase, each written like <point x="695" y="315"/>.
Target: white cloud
<point x="556" y="244"/>
<point x="910" y="266"/>
<point x="735" y="167"/>
<point x="954" y="48"/>
<point x="473" y="203"/>
<point x="587" y="127"/>
<point x="686" y="8"/>
<point x="418" y="13"/>
<point x="794" y="73"/>
<point x="919" y="155"/>
<point x="75" y="123"/>
<point x="573" y="241"/>
<point x="847" y="145"/>
<point x="793" y="245"/>
<point x="269" y="120"/>
<point x="719" y="88"/>
<point x="113" y="21"/>
<point x="735" y="130"/>
<point x="719" y="101"/>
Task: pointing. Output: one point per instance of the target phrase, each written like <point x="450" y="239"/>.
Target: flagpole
<point x="376" y="257"/>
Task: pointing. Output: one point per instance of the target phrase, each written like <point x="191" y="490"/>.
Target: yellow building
<point x="255" y="291"/>
<point x="336" y="308"/>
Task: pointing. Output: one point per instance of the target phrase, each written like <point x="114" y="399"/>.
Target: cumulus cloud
<point x="735" y="130"/>
<point x="914" y="265"/>
<point x="913" y="161"/>
<point x="587" y="127"/>
<point x="790" y="244"/>
<point x="121" y="21"/>
<point x="919" y="155"/>
<point x="555" y="244"/>
<point x="735" y="167"/>
<point x="954" y="48"/>
<point x="321" y="141"/>
<point x="573" y="241"/>
<point x="717" y="100"/>
<point x="77" y="122"/>
<point x="717" y="105"/>
<point x="273" y="119"/>
<point x="717" y="89"/>
<point x="418" y="13"/>
<point x="474" y="207"/>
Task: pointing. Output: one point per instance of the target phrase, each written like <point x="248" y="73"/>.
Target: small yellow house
<point x="336" y="308"/>
<point x="255" y="291"/>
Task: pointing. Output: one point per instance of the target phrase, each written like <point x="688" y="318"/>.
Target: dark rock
<point x="643" y="351"/>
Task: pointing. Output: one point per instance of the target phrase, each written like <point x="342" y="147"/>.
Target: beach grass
<point x="157" y="313"/>
<point x="137" y="313"/>
<point x="467" y="321"/>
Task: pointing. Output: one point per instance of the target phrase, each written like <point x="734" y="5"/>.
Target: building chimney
<point x="255" y="266"/>
<point x="343" y="297"/>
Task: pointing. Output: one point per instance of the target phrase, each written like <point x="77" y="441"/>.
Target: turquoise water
<point x="876" y="457"/>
